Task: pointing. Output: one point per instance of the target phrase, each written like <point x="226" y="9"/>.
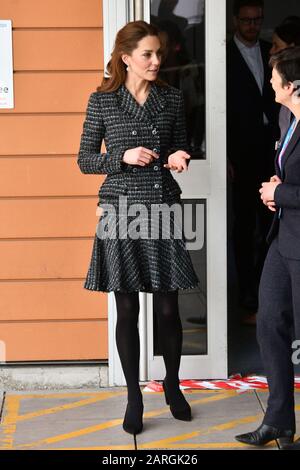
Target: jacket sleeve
<point x="287" y="196"/>
<point x="179" y="130"/>
<point x="90" y="159"/>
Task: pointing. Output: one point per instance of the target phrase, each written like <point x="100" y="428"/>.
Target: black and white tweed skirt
<point x="145" y="252"/>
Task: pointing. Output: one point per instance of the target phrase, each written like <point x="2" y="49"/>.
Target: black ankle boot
<point x="179" y="407"/>
<point x="265" y="434"/>
<point x="133" y="419"/>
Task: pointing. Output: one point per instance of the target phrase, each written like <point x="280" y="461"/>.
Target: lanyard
<point x="286" y="141"/>
<point x="285" y="144"/>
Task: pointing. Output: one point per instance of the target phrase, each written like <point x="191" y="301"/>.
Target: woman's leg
<point x="165" y="305"/>
<point x="128" y="345"/>
<point x="274" y="333"/>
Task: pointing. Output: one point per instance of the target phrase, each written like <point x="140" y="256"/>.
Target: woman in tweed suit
<point x="142" y="123"/>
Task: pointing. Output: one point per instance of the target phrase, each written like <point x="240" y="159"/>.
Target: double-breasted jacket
<point x="118" y="119"/>
<point x="143" y="264"/>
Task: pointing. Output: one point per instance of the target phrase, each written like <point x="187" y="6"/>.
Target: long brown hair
<point x="127" y="40"/>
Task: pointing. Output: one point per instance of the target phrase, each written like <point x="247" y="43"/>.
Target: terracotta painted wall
<point x="47" y="207"/>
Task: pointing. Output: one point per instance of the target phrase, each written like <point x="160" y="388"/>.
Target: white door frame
<point x="116" y="13"/>
<point x="210" y="185"/>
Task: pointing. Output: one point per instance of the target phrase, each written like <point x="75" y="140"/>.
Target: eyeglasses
<point x="247" y="21"/>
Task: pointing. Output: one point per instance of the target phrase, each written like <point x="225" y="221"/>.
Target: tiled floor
<point x="93" y="420"/>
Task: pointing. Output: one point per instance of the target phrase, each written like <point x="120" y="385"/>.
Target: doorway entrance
<point x="243" y="350"/>
<point x="195" y="64"/>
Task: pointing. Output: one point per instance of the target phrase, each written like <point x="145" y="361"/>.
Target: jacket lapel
<point x="156" y="100"/>
<point x="153" y="105"/>
<point x="277" y="168"/>
<point x="265" y="55"/>
<point x="246" y="70"/>
<point x="291" y="145"/>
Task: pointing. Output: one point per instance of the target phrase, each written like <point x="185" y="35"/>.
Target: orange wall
<point x="47" y="207"/>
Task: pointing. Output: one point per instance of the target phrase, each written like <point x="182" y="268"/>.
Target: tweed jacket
<point x="127" y="264"/>
<point x="122" y="123"/>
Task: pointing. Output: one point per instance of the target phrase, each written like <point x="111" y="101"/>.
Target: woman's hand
<point x="271" y="204"/>
<point x="267" y="192"/>
<point x="177" y="161"/>
<point x="139" y="156"/>
<point x="275" y="179"/>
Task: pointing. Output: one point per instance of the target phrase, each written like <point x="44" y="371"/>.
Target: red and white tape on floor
<point x="235" y="382"/>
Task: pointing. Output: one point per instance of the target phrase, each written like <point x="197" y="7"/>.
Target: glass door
<point x="196" y="63"/>
<point x="196" y="32"/>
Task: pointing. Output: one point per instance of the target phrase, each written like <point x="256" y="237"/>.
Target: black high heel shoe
<point x="182" y="413"/>
<point x="265" y="434"/>
<point x="133" y="419"/>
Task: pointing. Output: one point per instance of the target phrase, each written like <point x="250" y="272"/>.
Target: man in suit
<point x="279" y="294"/>
<point x="252" y="126"/>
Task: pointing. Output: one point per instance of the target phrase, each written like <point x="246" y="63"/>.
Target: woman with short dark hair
<point x="278" y="321"/>
<point x="287" y="34"/>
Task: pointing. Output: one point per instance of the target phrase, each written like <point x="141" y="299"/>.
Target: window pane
<point x="193" y="302"/>
<point x="182" y="22"/>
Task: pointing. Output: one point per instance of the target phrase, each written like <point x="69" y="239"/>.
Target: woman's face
<point x="282" y="93"/>
<point x="278" y="44"/>
<point x="145" y="60"/>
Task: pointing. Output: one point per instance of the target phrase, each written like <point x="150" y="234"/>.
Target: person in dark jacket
<point x="252" y="126"/>
<point x="142" y="123"/>
<point x="287" y="34"/>
<point x="278" y="322"/>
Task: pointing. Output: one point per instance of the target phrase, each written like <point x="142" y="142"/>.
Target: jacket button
<point x="154" y="131"/>
<point x="134" y="170"/>
<point x="156" y="186"/>
<point x="155" y="168"/>
<point x="155" y="150"/>
<point x="134" y="132"/>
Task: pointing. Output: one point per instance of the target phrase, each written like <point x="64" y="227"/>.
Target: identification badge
<point x="277" y="145"/>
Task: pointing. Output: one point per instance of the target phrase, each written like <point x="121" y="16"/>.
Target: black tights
<point x="165" y="305"/>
